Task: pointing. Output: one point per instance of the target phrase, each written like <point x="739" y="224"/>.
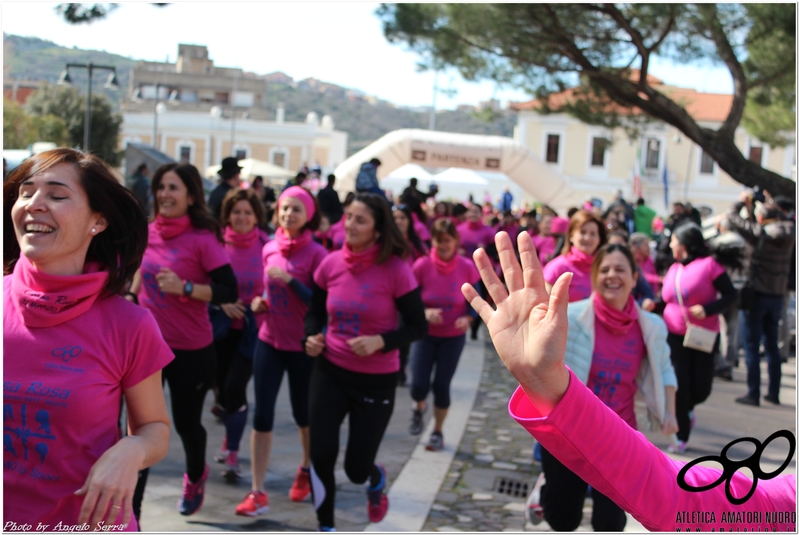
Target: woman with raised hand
<point x="617" y="350"/>
<point x="586" y="234"/>
<point x="235" y="326"/>
<point x="440" y="276"/>
<point x="185" y="267"/>
<point x="696" y="288"/>
<point x="73" y="239"/>
<point x="529" y="329"/>
<point x="289" y="262"/>
<point x="360" y="293"/>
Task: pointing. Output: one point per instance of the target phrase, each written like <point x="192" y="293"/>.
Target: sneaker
<point x="678" y="446"/>
<point x="256" y="503"/>
<point x="376" y="499"/>
<point x="221" y="455"/>
<point x="231" y="472"/>
<point x="746" y="400"/>
<point x="417" y="422"/>
<point x="193" y="494"/>
<point x="326" y="528"/>
<point x="301" y="488"/>
<point x="772" y="399"/>
<point x="436" y="442"/>
<point x="533" y="510"/>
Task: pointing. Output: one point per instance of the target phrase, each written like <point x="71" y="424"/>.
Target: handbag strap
<point x="679" y="295"/>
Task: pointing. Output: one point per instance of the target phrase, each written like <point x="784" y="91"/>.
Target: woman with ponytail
<point x="289" y="262"/>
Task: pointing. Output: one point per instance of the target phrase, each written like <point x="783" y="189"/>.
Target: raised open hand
<point x="529" y="326"/>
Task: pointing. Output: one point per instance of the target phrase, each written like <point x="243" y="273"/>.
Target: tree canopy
<point x="68" y="105"/>
<point x="546" y="48"/>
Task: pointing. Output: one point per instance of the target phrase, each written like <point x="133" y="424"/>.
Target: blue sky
<point x="337" y="42"/>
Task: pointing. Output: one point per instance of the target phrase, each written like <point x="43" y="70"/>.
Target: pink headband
<point x="304" y="196"/>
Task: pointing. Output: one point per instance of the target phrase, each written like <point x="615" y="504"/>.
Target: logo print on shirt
<point x="67" y="353"/>
<point x="24" y="433"/>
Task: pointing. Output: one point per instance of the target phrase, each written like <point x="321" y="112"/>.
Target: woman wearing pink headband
<point x="289" y="262"/>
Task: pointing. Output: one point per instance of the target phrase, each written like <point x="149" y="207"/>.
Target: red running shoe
<point x="301" y="488"/>
<point x="377" y="501"/>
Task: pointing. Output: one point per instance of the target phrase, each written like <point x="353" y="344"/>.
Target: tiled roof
<point x="701" y="106"/>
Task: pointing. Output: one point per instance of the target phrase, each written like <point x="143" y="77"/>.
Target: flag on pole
<point x="665" y="180"/>
<point x="637" y="188"/>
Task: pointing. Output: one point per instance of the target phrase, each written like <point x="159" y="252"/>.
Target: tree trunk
<point x="730" y="160"/>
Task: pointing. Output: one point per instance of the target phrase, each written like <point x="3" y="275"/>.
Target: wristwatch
<point x="188" y="287"/>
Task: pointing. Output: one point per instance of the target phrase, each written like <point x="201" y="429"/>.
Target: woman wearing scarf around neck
<point x="359" y="293"/>
<point x="185" y="267"/>
<point x="74" y="237"/>
<point x="474" y="233"/>
<point x="289" y="262"/>
<point x="615" y="348"/>
<point x="242" y="216"/>
<point x="585" y="235"/>
<point x="440" y="276"/>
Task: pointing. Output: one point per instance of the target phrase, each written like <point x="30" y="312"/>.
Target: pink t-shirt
<point x="580" y="287"/>
<point x="421" y="230"/>
<point x="696" y="283"/>
<point x="249" y="270"/>
<point x="444" y="292"/>
<point x="337" y="234"/>
<point x="545" y="245"/>
<point x="651" y="275"/>
<point x="614" y="368"/>
<point x="62" y="387"/>
<point x="362" y="305"/>
<point x="184" y="322"/>
<point x="284" y="326"/>
<point x="473" y="239"/>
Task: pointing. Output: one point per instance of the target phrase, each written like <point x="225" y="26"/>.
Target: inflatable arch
<point x="445" y="149"/>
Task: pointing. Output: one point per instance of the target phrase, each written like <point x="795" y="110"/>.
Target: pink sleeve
<point x="597" y="445"/>
<point x="320" y="274"/>
<point x="418" y="270"/>
<point x="148" y="352"/>
<point x="553" y="270"/>
<point x="213" y="254"/>
<point x="404" y="280"/>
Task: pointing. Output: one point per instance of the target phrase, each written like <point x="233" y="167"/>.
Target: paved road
<point x="457" y="489"/>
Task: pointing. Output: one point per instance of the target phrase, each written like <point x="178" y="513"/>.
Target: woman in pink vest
<point x="529" y="329"/>
<point x="74" y="237"/>
<point x="585" y="235"/>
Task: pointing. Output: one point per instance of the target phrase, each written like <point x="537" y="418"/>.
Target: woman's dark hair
<point x="120" y="247"/>
<point x="444" y="226"/>
<point x="604" y="251"/>
<point x="312" y="224"/>
<point x="458" y="210"/>
<point x="391" y="240"/>
<point x="413" y="237"/>
<point x="691" y="237"/>
<point x="580" y="218"/>
<point x="235" y="195"/>
<point x="198" y="212"/>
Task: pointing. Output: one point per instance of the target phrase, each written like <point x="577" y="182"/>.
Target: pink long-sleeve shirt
<point x="598" y="446"/>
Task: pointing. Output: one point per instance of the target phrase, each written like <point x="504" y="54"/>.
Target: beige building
<point x="597" y="162"/>
<point x="196" y="112"/>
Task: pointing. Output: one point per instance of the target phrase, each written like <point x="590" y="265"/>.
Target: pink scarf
<point x="242" y="241"/>
<point x="442" y="266"/>
<point x="357" y="263"/>
<point x="45" y="300"/>
<point x="616" y="321"/>
<point x="169" y="227"/>
<point x="579" y="259"/>
<point x="475" y="225"/>
<point x="289" y="246"/>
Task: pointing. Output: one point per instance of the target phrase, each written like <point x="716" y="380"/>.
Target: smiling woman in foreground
<point x="529" y="330"/>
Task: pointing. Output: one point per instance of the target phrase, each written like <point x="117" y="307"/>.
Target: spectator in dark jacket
<point x="771" y="236"/>
<point x="329" y="203"/>
<point x="229" y="175"/>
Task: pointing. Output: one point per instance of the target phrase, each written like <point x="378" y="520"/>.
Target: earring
<point x="94" y="230"/>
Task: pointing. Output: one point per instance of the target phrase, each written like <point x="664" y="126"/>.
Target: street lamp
<point x="111" y="83"/>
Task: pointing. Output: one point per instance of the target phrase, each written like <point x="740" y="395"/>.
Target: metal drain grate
<point x="511" y="487"/>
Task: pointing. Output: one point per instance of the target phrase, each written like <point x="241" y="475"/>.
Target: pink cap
<point x="657" y="224"/>
<point x="304" y="196"/>
<point x="559" y="225"/>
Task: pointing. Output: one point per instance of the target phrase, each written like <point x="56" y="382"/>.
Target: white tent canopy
<point x="457" y="175"/>
<point x="444" y="149"/>
<point x="409" y="171"/>
<point x="252" y="168"/>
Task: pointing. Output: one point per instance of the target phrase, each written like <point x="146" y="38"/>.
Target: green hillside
<point x="31" y="58"/>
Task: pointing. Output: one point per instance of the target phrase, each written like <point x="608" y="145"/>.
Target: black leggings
<point x="694" y="370"/>
<point x="444" y="353"/>
<point x="189" y="377"/>
<point x="233" y="372"/>
<point x="563" y="496"/>
<point x="369" y="401"/>
<point x="269" y="365"/>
